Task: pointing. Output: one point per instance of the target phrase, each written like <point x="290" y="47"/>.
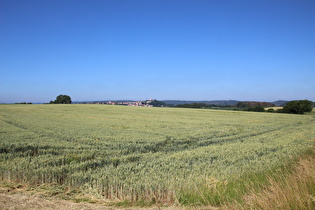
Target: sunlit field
<point x="141" y="153"/>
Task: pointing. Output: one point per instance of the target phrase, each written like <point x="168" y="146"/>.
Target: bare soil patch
<point x="34" y="202"/>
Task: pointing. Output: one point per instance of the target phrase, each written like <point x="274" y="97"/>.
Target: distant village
<point x="146" y="103"/>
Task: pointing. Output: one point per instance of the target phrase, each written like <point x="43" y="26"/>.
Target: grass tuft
<point x="292" y="188"/>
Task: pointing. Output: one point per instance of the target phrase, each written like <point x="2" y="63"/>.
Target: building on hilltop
<point x="131" y="103"/>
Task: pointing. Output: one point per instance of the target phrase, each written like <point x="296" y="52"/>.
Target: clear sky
<point x="258" y="50"/>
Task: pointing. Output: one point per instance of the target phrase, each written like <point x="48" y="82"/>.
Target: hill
<point x="215" y="102"/>
<point x="280" y="102"/>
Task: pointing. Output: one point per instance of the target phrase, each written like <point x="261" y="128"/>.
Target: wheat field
<point x="144" y="154"/>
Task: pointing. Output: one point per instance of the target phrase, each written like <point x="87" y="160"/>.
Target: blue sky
<point x="261" y="50"/>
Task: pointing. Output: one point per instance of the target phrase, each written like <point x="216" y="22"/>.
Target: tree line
<point x="292" y="107"/>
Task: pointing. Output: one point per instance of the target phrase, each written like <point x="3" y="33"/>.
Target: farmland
<point x="137" y="153"/>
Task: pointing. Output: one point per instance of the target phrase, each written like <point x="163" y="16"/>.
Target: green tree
<point x="242" y="104"/>
<point x="270" y="110"/>
<point x="62" y="99"/>
<point x="298" y="107"/>
<point x="157" y="103"/>
<point x="193" y="105"/>
<point x="255" y="109"/>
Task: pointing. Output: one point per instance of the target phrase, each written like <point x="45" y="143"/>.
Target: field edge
<point x="249" y="191"/>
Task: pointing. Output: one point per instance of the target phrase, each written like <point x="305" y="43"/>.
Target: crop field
<point x="139" y="153"/>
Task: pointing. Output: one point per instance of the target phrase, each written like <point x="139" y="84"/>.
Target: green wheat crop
<point x="137" y="153"/>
